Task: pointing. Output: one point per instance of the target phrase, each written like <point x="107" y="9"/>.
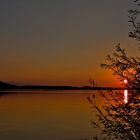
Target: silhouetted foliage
<point x="124" y="67"/>
<point x="134" y="21"/>
<point x="117" y="119"/>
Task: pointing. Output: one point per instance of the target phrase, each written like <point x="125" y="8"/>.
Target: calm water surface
<point x="46" y="115"/>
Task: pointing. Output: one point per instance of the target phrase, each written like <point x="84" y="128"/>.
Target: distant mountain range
<point x="7" y="86"/>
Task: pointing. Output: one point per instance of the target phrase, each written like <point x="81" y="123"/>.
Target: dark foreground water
<point x="45" y="115"/>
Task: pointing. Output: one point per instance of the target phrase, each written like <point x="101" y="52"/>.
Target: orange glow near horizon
<point x="76" y="80"/>
<point x="72" y="77"/>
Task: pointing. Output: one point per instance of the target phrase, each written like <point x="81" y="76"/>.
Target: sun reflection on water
<point x="125" y="95"/>
<point x="125" y="91"/>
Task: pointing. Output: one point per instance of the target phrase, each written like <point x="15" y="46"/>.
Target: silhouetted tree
<point x="125" y="67"/>
<point x="134" y="21"/>
<point x="92" y="82"/>
<point x="117" y="119"/>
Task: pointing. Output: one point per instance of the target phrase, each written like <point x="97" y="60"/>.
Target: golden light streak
<point x="125" y="91"/>
<point x="125" y="96"/>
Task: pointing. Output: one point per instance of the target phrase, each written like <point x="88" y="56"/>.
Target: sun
<point x="125" y="81"/>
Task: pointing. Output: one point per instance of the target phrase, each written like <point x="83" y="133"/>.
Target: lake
<point x="46" y="115"/>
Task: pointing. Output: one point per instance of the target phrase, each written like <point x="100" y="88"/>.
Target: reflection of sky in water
<point x="45" y="115"/>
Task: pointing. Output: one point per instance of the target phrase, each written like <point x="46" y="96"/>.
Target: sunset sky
<point x="61" y="42"/>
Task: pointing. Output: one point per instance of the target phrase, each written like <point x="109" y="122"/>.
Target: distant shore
<point x="6" y="86"/>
